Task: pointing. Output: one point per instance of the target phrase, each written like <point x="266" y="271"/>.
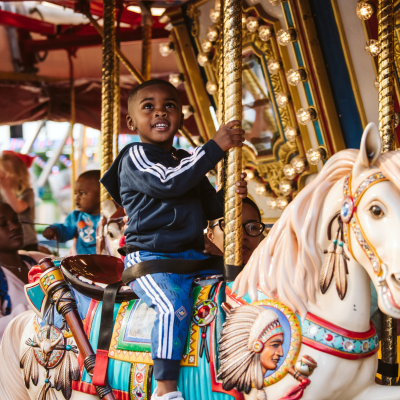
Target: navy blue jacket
<point x="166" y="195"/>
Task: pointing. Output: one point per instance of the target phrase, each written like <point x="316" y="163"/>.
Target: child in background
<point x="16" y="190"/>
<point x="168" y="199"/>
<point x="81" y="223"/>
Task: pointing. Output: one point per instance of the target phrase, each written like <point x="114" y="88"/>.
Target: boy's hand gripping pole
<point x="53" y="283"/>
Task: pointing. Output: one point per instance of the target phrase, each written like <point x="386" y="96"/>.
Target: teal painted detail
<point x="318" y="132"/>
<point x="68" y="347"/>
<point x="334" y="241"/>
<point x="36" y="296"/>
<point x="297" y="51"/>
<point x="288" y="14"/>
<point x="46" y="380"/>
<point x="307" y="89"/>
<point x="341" y="244"/>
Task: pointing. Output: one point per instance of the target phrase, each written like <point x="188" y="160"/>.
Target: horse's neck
<point x="353" y="312"/>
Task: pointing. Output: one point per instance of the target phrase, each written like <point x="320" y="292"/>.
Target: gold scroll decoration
<point x="117" y="107"/>
<point x="386" y="75"/>
<point x="232" y="54"/>
<point x="107" y="103"/>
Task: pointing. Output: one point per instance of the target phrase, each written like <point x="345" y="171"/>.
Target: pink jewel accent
<point x="328" y="337"/>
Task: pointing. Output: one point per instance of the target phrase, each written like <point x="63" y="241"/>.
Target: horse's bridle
<point x="350" y="218"/>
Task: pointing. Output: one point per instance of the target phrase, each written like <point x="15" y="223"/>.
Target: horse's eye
<point x="111" y="235"/>
<point x="376" y="211"/>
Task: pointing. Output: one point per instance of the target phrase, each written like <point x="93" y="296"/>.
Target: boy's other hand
<point x="241" y="188"/>
<point x="227" y="136"/>
<point x="50" y="233"/>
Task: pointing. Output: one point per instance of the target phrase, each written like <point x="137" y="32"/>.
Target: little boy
<point x="168" y="200"/>
<point x="81" y="223"/>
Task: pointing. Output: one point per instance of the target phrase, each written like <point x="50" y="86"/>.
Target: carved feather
<point x="46" y="393"/>
<point x="234" y="335"/>
<point x="247" y="386"/>
<point x="30" y="367"/>
<point x="257" y="375"/>
<point x="232" y="328"/>
<point x="327" y="269"/>
<point x="236" y="375"/>
<point x="228" y="349"/>
<point x="75" y="373"/>
<point x="234" y="365"/>
<point x="340" y="273"/>
<point x="232" y="354"/>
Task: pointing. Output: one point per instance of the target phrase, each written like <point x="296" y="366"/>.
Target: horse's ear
<point x="370" y="148"/>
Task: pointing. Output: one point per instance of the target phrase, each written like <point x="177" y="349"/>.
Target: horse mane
<point x="287" y="262"/>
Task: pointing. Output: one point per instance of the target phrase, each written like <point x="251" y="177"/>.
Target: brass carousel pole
<point x="108" y="81"/>
<point x="386" y="129"/>
<point x="71" y="131"/>
<point x="117" y="90"/>
<point x="147" y="22"/>
<point x="221" y="111"/>
<point x="232" y="70"/>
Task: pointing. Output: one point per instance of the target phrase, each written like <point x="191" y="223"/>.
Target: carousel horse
<point x="291" y="312"/>
<point x="110" y="229"/>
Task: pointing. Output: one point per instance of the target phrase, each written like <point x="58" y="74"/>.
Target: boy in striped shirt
<point x="168" y="199"/>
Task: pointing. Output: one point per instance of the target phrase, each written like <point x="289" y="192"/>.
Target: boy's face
<point x="87" y="195"/>
<point x="156" y="114"/>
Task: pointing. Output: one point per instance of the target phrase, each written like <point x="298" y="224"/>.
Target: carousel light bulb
<point x="285" y="36"/>
<point x="244" y="21"/>
<point x="282" y="99"/>
<point x="271" y="203"/>
<point x="273" y="66"/>
<point x="265" y="32"/>
<point x="212" y="33"/>
<point x="166" y="49"/>
<point x="211" y="87"/>
<point x="282" y="202"/>
<point x="260" y="190"/>
<point x="314" y="156"/>
<point x="299" y="165"/>
<point x="285" y="187"/>
<point x="249" y="174"/>
<point x="372" y="47"/>
<point x="295" y="76"/>
<point x="175" y="79"/>
<point x="206" y="45"/>
<point x="291" y="133"/>
<point x="305" y="115"/>
<point x="215" y="15"/>
<point x="252" y="24"/>
<point x="365" y="10"/>
<point x="217" y="5"/>
<point x="202" y="59"/>
<point x="275" y="2"/>
<point x="396" y="119"/>
<point x="289" y="172"/>
<point x="376" y="83"/>
<point x="187" y="111"/>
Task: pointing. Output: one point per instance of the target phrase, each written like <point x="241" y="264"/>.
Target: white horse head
<point x="287" y="263"/>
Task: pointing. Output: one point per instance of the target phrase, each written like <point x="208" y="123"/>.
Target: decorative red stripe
<point x="235" y="297"/>
<point x="326" y="349"/>
<point x="341" y="331"/>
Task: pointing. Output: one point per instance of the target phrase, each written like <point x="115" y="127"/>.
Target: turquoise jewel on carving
<point x="68" y="347"/>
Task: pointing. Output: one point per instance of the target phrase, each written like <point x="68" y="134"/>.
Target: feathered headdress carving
<point x="244" y="333"/>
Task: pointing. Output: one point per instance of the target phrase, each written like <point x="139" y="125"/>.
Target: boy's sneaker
<point x="168" y="396"/>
